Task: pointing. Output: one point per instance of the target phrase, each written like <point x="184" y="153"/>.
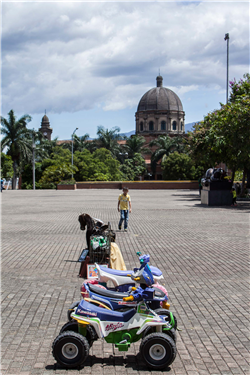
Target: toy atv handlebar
<point x="129" y="298"/>
<point x="140" y="294"/>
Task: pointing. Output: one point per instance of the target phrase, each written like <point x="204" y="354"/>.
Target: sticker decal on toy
<point x="127" y="303"/>
<point x="80" y="311"/>
<point x="113" y="327"/>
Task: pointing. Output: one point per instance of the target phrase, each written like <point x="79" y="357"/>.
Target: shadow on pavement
<point x="186" y="195"/>
<point x="130" y="361"/>
<point x="240" y="207"/>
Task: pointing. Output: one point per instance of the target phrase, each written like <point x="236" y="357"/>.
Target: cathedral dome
<point x="160" y="98"/>
<point x="160" y="112"/>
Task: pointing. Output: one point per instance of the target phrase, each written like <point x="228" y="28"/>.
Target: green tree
<point x="57" y="168"/>
<point x="55" y="174"/>
<point x="224" y="134"/>
<point x="79" y="143"/>
<point x="178" y="166"/>
<point x="16" y="139"/>
<point x="135" y="145"/>
<point x="99" y="166"/>
<point x="133" y="168"/>
<point x="200" y="147"/>
<point x="108" y="139"/>
<point x="179" y="144"/>
<point x="49" y="145"/>
<point x="6" y="166"/>
<point x="41" y="151"/>
<point x="27" y="175"/>
<point x="164" y="146"/>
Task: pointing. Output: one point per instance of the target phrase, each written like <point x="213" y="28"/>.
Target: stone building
<point x="160" y="112"/>
<point x="45" y="128"/>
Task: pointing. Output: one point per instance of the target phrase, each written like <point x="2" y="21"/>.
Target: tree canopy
<point x="180" y="166"/>
<point x="6" y="166"/>
<point x="133" y="168"/>
<point x="135" y="145"/>
<point x="224" y="134"/>
<point x="108" y="139"/>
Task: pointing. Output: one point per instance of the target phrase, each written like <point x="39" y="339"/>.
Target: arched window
<point x="141" y="126"/>
<point x="181" y="125"/>
<point x="151" y="125"/>
<point x="174" y="125"/>
<point x="163" y="125"/>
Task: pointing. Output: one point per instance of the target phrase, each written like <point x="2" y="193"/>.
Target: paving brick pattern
<point x="202" y="251"/>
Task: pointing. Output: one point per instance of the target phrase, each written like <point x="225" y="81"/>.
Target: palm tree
<point x="179" y="144"/>
<point x="108" y="139"/>
<point x="48" y="145"/>
<point x="16" y="137"/>
<point x="165" y="145"/>
<point x="80" y="143"/>
<point x="135" y="145"/>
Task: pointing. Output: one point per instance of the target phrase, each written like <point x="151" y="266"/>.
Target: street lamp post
<point x="73" y="149"/>
<point x="227" y="39"/>
<point x="33" y="160"/>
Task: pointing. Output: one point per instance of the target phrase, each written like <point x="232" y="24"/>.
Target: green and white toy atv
<point x="92" y="322"/>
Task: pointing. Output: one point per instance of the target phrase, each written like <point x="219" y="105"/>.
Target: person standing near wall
<point x="124" y="207"/>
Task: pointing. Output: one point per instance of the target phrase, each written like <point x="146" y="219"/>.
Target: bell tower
<point x="45" y="128"/>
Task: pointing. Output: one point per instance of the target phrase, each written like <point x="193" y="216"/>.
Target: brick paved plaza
<point x="202" y="251"/>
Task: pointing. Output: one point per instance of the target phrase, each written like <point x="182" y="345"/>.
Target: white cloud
<point x="73" y="56"/>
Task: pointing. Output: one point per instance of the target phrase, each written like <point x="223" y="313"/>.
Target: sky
<point x="89" y="63"/>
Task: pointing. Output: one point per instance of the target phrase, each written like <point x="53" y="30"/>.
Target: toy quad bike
<point x="157" y="348"/>
<point x="114" y="299"/>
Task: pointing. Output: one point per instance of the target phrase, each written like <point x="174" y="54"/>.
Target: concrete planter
<point x="217" y="193"/>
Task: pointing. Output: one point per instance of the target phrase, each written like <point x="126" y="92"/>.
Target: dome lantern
<point x="159" y="81"/>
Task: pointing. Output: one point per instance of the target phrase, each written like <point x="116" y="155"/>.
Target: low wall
<point x="66" y="187"/>
<point x="140" y="185"/>
<point x="98" y="185"/>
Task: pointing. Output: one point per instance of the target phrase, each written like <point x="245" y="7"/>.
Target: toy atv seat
<point x="106" y="292"/>
<point x="119" y="295"/>
<point x="155" y="271"/>
<point x="103" y="314"/>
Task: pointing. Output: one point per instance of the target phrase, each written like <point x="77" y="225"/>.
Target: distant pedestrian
<point x="2" y="185"/>
<point x="233" y="191"/>
<point x="124" y="207"/>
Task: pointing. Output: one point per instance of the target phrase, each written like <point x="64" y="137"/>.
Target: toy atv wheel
<point x="166" y="313"/>
<point x="158" y="350"/>
<point x="170" y="332"/>
<point x="73" y="326"/>
<point x="70" y="349"/>
<point x="70" y="310"/>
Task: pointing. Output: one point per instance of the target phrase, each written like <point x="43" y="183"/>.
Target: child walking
<point x="124" y="207"/>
